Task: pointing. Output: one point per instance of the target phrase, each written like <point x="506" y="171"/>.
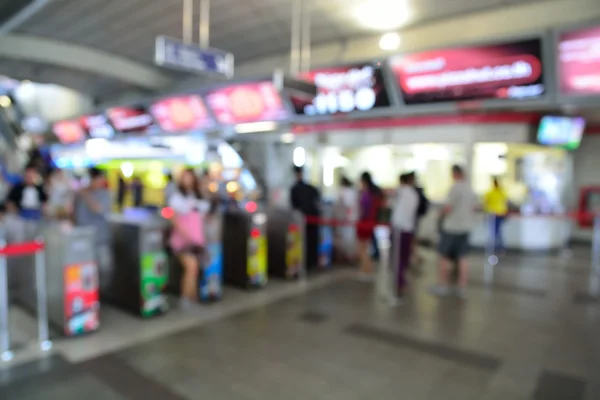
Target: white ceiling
<point x="251" y="29"/>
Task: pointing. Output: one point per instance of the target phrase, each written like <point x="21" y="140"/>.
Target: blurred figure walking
<point x="404" y="217"/>
<point x="495" y="204"/>
<point x="458" y="220"/>
<point x="346" y="210"/>
<point x="367" y="218"/>
<point x="305" y="198"/>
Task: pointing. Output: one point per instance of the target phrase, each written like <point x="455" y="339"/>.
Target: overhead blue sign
<point x="172" y="53"/>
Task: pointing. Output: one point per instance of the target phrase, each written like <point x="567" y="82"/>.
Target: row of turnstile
<point x="242" y="250"/>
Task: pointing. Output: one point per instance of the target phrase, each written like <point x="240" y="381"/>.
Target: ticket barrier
<point x="71" y="279"/>
<point x="286" y="244"/>
<point x="210" y="281"/>
<point x="33" y="252"/>
<point x="245" y="249"/>
<point x="137" y="278"/>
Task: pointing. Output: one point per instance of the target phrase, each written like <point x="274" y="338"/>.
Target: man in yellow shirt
<point x="496" y="205"/>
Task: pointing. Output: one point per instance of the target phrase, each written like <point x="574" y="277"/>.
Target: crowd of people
<point x="359" y="211"/>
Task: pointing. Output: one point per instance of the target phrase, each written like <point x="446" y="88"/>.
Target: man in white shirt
<point x="458" y="219"/>
<point x="404" y="218"/>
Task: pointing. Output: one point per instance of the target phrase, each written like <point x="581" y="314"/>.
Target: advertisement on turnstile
<point x="293" y="254"/>
<point x="257" y="255"/>
<point x="153" y="282"/>
<point x="82" y="300"/>
<point x="211" y="279"/>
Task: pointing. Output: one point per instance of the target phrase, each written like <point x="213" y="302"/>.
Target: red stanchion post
<point x="35" y="248"/>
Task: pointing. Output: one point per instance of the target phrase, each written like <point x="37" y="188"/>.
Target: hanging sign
<point x="174" y="54"/>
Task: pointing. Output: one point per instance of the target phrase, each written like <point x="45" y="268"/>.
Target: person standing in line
<point x="170" y="188"/>
<point x="28" y="198"/>
<point x="367" y="218"/>
<point x="346" y="208"/>
<point x="60" y="197"/>
<point x="458" y="220"/>
<point x="404" y="218"/>
<point x="137" y="190"/>
<point x="121" y="192"/>
<point x="496" y="206"/>
<point x="421" y="212"/>
<point x="379" y="199"/>
<point x="92" y="208"/>
<point x="188" y="238"/>
<point x="305" y="198"/>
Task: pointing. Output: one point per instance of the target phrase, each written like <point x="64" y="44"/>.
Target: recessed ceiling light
<point x="390" y="41"/>
<point x="383" y="15"/>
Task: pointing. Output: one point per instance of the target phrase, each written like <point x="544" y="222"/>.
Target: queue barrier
<point x="35" y="248"/>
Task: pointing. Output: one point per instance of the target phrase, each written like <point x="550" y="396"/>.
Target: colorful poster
<point x="344" y="89"/>
<point x="510" y="70"/>
<point x="246" y="103"/>
<point x="257" y="258"/>
<point x="154" y="277"/>
<point x="293" y="254"/>
<point x="183" y="113"/>
<point x="326" y="247"/>
<point x="579" y="62"/>
<point x="211" y="282"/>
<point x="69" y="132"/>
<point x="82" y="303"/>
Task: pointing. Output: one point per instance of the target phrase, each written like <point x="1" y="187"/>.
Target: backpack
<point x="423" y="203"/>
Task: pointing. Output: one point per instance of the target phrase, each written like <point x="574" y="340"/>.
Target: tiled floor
<point x="528" y="336"/>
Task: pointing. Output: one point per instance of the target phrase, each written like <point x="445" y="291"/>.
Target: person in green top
<point x="496" y="204"/>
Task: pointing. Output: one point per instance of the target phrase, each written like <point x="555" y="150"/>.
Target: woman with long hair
<point x="367" y="217"/>
<point x="187" y="238"/>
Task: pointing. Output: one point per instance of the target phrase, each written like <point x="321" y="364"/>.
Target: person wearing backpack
<point x="422" y="210"/>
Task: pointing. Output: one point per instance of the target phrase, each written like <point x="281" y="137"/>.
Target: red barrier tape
<point x="336" y="222"/>
<point x="576" y="216"/>
<point x="21" y="249"/>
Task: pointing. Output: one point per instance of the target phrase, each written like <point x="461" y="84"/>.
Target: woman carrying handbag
<point x="187" y="238"/>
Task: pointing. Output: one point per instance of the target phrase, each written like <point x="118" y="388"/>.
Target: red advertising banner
<point x="245" y="103"/>
<point x="184" y="113"/>
<point x="130" y="119"/>
<point x="344" y="90"/>
<point x="68" y="132"/>
<point x="97" y="126"/>
<point x="504" y="71"/>
<point x="579" y="62"/>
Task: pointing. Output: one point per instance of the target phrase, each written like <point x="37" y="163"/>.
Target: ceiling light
<point x="383" y="15"/>
<point x="5" y="101"/>
<point x="389" y="42"/>
<point x="287" y="138"/>
<point x="254" y="127"/>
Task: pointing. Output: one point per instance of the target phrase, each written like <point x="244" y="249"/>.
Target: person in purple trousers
<point x="404" y="217"/>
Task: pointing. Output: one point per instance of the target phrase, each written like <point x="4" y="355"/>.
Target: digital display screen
<point x="97" y="126"/>
<point x="504" y="71"/>
<point x="184" y="113"/>
<point x="69" y="132"/>
<point x="130" y="119"/>
<point x="343" y="90"/>
<point x="579" y="62"/>
<point x="559" y="131"/>
<point x="246" y="103"/>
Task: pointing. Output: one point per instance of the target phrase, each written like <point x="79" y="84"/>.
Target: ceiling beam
<point x="62" y="54"/>
<point x="19" y="18"/>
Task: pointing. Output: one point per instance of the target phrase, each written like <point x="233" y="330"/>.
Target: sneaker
<point x="185" y="304"/>
<point x="462" y="293"/>
<point x="440" y="291"/>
